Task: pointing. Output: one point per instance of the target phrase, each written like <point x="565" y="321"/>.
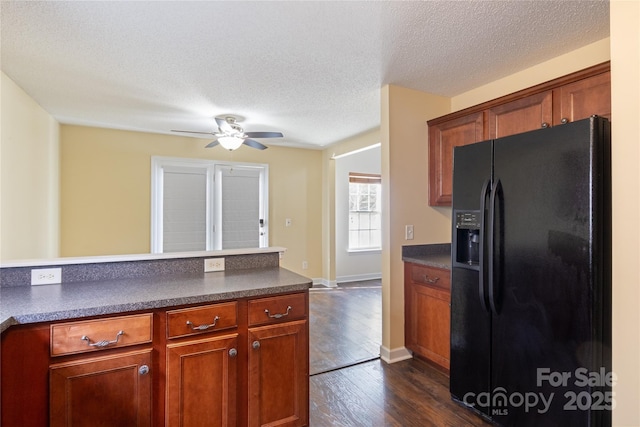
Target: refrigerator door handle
<point x="482" y="287"/>
<point x="497" y="188"/>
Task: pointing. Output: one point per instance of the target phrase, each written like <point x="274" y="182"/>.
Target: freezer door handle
<point x="493" y="285"/>
<point x="482" y="283"/>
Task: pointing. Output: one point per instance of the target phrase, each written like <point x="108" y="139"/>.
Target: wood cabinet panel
<point x="428" y="312"/>
<point x="24" y="357"/>
<point x="522" y="115"/>
<point x="201" y="380"/>
<point x="583" y="99"/>
<point x="442" y="138"/>
<point x="198" y="320"/>
<point x="94" y="335"/>
<point x="277" y="309"/>
<point x="279" y="375"/>
<point x="106" y="391"/>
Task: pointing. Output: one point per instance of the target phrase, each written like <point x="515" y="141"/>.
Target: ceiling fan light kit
<point x="231" y="136"/>
<point x="230" y="142"/>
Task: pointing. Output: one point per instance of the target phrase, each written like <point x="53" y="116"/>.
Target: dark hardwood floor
<point x="350" y="386"/>
<point x="345" y="325"/>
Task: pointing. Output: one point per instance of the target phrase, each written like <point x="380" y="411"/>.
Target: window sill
<point x="365" y="251"/>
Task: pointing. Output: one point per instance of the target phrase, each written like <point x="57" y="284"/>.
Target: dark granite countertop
<point x="32" y="304"/>
<point x="435" y="255"/>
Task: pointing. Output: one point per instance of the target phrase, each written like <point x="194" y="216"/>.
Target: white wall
<point x="352" y="266"/>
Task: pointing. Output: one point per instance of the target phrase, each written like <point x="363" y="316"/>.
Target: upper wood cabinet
<point x="563" y="100"/>
<point x="522" y="115"/>
<point x="442" y="138"/>
<point x="582" y="99"/>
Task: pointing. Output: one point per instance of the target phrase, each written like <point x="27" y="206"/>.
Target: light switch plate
<point x="408" y="232"/>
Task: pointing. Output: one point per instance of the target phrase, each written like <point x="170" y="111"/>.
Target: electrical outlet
<point x="408" y="232"/>
<point x="305" y="265"/>
<point x="213" y="264"/>
<point x="46" y="276"/>
<point x="287" y="222"/>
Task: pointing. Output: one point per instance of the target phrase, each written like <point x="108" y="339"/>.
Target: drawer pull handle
<point x="277" y="315"/>
<point x="255" y="344"/>
<point x="430" y="280"/>
<point x="102" y="343"/>
<point x="143" y="370"/>
<point x="203" y="327"/>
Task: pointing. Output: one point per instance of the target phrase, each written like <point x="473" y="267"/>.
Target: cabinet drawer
<point x="94" y="335"/>
<point x="431" y="276"/>
<point x="199" y="320"/>
<point x="274" y="309"/>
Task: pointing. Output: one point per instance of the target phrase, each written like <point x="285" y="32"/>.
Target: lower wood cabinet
<point x="428" y="313"/>
<point x="114" y="390"/>
<point x="201" y="381"/>
<point x="279" y="375"/>
<point x="234" y="363"/>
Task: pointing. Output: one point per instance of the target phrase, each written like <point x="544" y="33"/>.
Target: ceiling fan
<point x="231" y="135"/>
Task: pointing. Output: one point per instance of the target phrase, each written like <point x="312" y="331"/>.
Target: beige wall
<point x="405" y="193"/>
<point x="329" y="196"/>
<point x="105" y="192"/>
<point x="28" y="177"/>
<point x="625" y="104"/>
<point x="592" y="54"/>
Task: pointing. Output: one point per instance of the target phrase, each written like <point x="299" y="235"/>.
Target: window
<point x="199" y="205"/>
<point x="365" y="225"/>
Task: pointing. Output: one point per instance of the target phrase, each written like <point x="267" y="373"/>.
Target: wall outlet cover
<point x="46" y="276"/>
<point x="213" y="264"/>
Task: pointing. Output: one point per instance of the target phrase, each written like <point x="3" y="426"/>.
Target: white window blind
<point x="240" y="207"/>
<point x="184" y="209"/>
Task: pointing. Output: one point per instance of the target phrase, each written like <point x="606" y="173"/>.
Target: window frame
<point x="370" y="179"/>
<point x="158" y="163"/>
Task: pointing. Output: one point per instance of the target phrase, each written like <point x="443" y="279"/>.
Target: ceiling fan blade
<point x="264" y="134"/>
<point x="212" y="144"/>
<point x="255" y="144"/>
<point x="223" y="125"/>
<point x="192" y="131"/>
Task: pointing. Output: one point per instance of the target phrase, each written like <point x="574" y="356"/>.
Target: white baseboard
<point x="396" y="355"/>
<point x="358" y="277"/>
<point x="319" y="281"/>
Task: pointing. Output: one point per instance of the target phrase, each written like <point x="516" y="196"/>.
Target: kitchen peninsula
<point x="153" y="340"/>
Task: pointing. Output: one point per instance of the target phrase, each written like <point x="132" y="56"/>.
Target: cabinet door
<point x="442" y="138"/>
<point x="427" y="313"/>
<point x="522" y="115"/>
<point x="430" y="329"/>
<point x="583" y="99"/>
<point x="108" y="391"/>
<point x="279" y="375"/>
<point x="201" y="381"/>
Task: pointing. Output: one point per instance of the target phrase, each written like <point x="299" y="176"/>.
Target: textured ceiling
<point x="311" y="69"/>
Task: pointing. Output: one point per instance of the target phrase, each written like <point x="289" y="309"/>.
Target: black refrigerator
<point x="531" y="277"/>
